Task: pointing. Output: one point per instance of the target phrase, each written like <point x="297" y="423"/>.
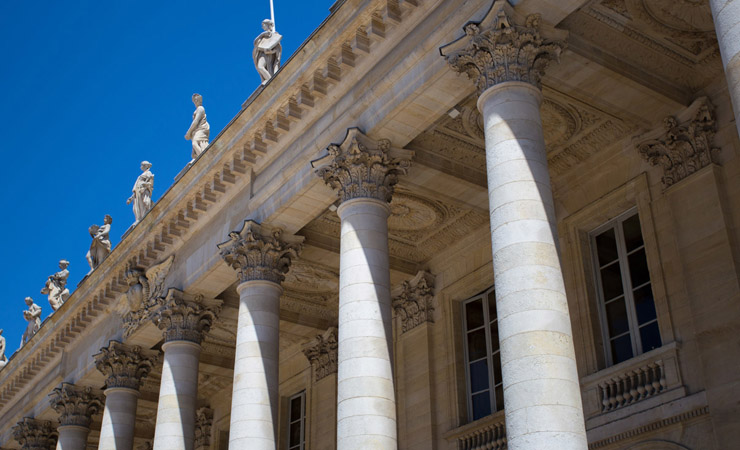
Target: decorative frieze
<point x="260" y="252"/>
<point x="75" y="404"/>
<point x="413" y="301"/>
<point x="185" y="317"/>
<point x="124" y="366"/>
<point x="322" y="354"/>
<point x="503" y="47"/>
<point x="33" y="434"/>
<point x="203" y="423"/>
<point x="361" y="167"/>
<point x="684" y="144"/>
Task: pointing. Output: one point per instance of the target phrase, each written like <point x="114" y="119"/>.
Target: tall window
<point x="482" y="356"/>
<point x="627" y="307"/>
<point x="297" y="422"/>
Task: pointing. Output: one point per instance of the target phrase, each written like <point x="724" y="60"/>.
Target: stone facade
<point x="424" y="206"/>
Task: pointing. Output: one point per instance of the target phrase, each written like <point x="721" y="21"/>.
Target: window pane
<point x="621" y="349"/>
<point x="479" y="375"/>
<point x="492" y="305"/>
<point x="606" y="247"/>
<point x="474" y="314"/>
<point x="616" y="317"/>
<point x="650" y="336"/>
<point x="500" y="398"/>
<point x="494" y="336"/>
<point x="497" y="369"/>
<point x="638" y="268"/>
<point x="632" y="233"/>
<point x="295" y="409"/>
<point x="644" y="304"/>
<point x="481" y="405"/>
<point x="611" y="281"/>
<point x="295" y="433"/>
<point x="477" y="344"/>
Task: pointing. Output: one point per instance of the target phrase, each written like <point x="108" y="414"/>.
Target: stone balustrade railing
<point x="488" y="433"/>
<point x="632" y="381"/>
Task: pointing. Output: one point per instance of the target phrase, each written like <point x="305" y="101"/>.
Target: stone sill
<point x="473" y="427"/>
<point x="625" y="366"/>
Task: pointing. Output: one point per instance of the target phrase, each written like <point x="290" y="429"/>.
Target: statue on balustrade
<point x="56" y="286"/>
<point x="267" y="50"/>
<point x="199" y="130"/>
<point x="100" y="247"/>
<point x="33" y="316"/>
<point x="3" y="358"/>
<point x="142" y="192"/>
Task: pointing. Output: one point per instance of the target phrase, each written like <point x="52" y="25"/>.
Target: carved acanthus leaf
<point x="35" y="434"/>
<point x="413" y="301"/>
<point x="361" y="167"/>
<point x="75" y="404"/>
<point x="203" y="423"/>
<point x="260" y="252"/>
<point x="322" y="353"/>
<point x="684" y="145"/>
<point x="498" y="49"/>
<point x="185" y="317"/>
<point x="124" y="366"/>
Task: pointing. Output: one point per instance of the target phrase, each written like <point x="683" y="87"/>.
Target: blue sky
<point x="91" y="88"/>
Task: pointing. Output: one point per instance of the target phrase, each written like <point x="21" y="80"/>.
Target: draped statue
<point x="267" y="50"/>
<point x="3" y="358"/>
<point x="100" y="247"/>
<point x="199" y="129"/>
<point x="33" y="316"/>
<point x="56" y="286"/>
<point x="142" y="192"/>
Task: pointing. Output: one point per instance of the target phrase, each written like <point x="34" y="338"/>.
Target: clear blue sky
<point x="90" y="89"/>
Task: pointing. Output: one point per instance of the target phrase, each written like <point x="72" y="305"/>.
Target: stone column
<point x="76" y="406"/>
<point x="124" y="367"/>
<point x="33" y="434"/>
<point x="541" y="386"/>
<point x="261" y="256"/>
<point x="364" y="172"/>
<point x="184" y="319"/>
<point x="726" y="14"/>
<point x="321" y="352"/>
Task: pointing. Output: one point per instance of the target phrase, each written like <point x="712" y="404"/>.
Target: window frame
<point x="302" y="420"/>
<point x="628" y="289"/>
<point x="492" y="385"/>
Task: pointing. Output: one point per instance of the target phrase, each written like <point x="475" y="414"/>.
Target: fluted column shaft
<point x="178" y="392"/>
<point x="726" y="14"/>
<point x="366" y="405"/>
<point x="254" y="403"/>
<point x="540" y="378"/>
<point x="72" y="437"/>
<point x="119" y="419"/>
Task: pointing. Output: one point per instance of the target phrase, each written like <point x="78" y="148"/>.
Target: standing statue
<point x="56" y="286"/>
<point x="3" y="358"/>
<point x="33" y="316"/>
<point x="199" y="129"/>
<point x="100" y="246"/>
<point x="142" y="192"/>
<point x="267" y="50"/>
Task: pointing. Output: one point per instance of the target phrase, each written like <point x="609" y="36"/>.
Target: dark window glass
<point x="492" y="305"/>
<point x="650" y="336"/>
<point x="606" y="247"/>
<point x="644" y="304"/>
<point x="621" y="349"/>
<point x="611" y="281"/>
<point x="295" y="409"/>
<point x="497" y="368"/>
<point x="494" y="336"/>
<point x="479" y="375"/>
<point x="638" y="268"/>
<point x="481" y="405"/>
<point x="499" y="398"/>
<point x="616" y="317"/>
<point x="477" y="345"/>
<point x="295" y="433"/>
<point x="632" y="233"/>
<point x="474" y="314"/>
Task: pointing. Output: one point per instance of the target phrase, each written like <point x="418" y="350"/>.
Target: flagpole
<point x="272" y="14"/>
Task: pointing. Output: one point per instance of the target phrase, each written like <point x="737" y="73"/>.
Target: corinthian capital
<point x="75" y="404"/>
<point x="361" y="167"/>
<point x="260" y="252"/>
<point x="505" y="47"/>
<point x="413" y="301"/>
<point x="322" y="353"/>
<point x="124" y="366"/>
<point x="203" y="423"/>
<point x="35" y="434"/>
<point x="185" y="317"/>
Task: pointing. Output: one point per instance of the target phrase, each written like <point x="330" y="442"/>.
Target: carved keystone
<point x="322" y="353"/>
<point x="413" y="301"/>
<point x="361" y="167"/>
<point x="498" y="49"/>
<point x="260" y="252"/>
<point x="185" y="317"/>
<point x="75" y="404"/>
<point x="35" y="434"/>
<point x="124" y="366"/>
